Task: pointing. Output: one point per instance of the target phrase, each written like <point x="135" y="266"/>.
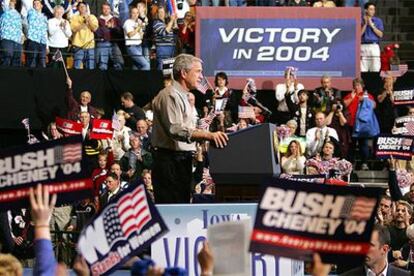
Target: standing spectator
<point x="11" y="35"/>
<point x="221" y="82"/>
<point x="147" y="30"/>
<point x="147" y="179"/>
<point x="187" y="33"/>
<point x="37" y="36"/>
<point x="83" y="40"/>
<point x="302" y="113"/>
<point x="113" y="187"/>
<point x="291" y="87"/>
<point x="318" y="135"/>
<point x="116" y="169"/>
<point x="133" y="113"/>
<point x="59" y="33"/>
<point x="398" y="227"/>
<point x="337" y="119"/>
<point x="324" y="95"/>
<point x="134" y="33"/>
<point x="143" y="134"/>
<point x="384" y="213"/>
<point x="107" y="35"/>
<point x="174" y="133"/>
<point x="372" y="32"/>
<point x="74" y="108"/>
<point x="294" y="161"/>
<point x="120" y="141"/>
<point x="163" y="27"/>
<point x="385" y="109"/>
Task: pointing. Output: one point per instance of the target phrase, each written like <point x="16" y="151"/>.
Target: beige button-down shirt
<point x="173" y="122"/>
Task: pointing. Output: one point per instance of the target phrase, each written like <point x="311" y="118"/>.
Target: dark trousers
<point x="36" y="54"/>
<point x="172" y="176"/>
<point x="11" y="53"/>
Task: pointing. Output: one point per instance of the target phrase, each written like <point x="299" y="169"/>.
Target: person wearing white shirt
<point x="316" y="136"/>
<point x="120" y="140"/>
<point x="290" y="87"/>
<point x="59" y="32"/>
<point x="134" y="32"/>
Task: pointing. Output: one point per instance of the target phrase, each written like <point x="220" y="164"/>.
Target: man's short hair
<point x="112" y="175"/>
<point x="58" y="7"/>
<point x="386" y="197"/>
<point x="367" y="5"/>
<point x="384" y="236"/>
<point x="106" y="4"/>
<point x="127" y="96"/>
<point x="325" y="77"/>
<point x="183" y="62"/>
<point x="303" y="91"/>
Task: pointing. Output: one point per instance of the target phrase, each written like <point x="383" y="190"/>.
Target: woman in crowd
<point x="187" y="33"/>
<point x="221" y="81"/>
<point x="385" y="109"/>
<point x="337" y="119"/>
<point x="147" y="179"/>
<point x="294" y="161"/>
<point x="163" y="27"/>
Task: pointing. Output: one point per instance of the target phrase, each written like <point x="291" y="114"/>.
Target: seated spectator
<point x="83" y="40"/>
<point x="318" y="135"/>
<point x="294" y="161"/>
<point x="337" y="119"/>
<point x="134" y="33"/>
<point x="113" y="187"/>
<point x="136" y="159"/>
<point x="108" y="33"/>
<point x="9" y="265"/>
<point x="325" y="95"/>
<point x="163" y="27"/>
<point x="291" y="87"/>
<point x="120" y="140"/>
<point x="385" y="109"/>
<point x="301" y="112"/>
<point x="75" y="108"/>
<point x="36" y="36"/>
<point x="324" y="4"/>
<point x="327" y="164"/>
<point x="187" y="34"/>
<point x="59" y="32"/>
<point x="11" y="36"/>
<point x="133" y="113"/>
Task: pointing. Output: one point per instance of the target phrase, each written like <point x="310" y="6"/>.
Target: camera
<point x="339" y="107"/>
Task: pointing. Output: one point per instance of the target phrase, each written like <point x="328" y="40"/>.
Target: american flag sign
<point x="203" y="86"/>
<point x="115" y="122"/>
<point x="358" y="208"/>
<point x="68" y="153"/>
<point x="410" y="128"/>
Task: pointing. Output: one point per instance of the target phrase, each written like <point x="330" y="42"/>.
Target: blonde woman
<point x="294" y="161"/>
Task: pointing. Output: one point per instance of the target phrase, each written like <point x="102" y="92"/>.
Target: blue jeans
<point x="85" y="56"/>
<point x="11" y="53"/>
<point x="164" y="52"/>
<point x="269" y="3"/>
<point x="351" y="3"/>
<point x="139" y="62"/>
<point x="36" y="54"/>
<point x="237" y="3"/>
<point x="214" y="3"/>
<point x="107" y="50"/>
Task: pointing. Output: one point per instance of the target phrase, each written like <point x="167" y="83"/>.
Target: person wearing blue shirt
<point x="372" y="32"/>
<point x="11" y="33"/>
<point x="37" y="36"/>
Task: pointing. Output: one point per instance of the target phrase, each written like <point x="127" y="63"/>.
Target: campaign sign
<point x="68" y="127"/>
<point x="188" y="224"/>
<point x="261" y="43"/>
<point x="399" y="147"/>
<point x="295" y="219"/>
<point x="101" y="129"/>
<point x="404" y="97"/>
<point x="401" y="124"/>
<point x="125" y="227"/>
<point x="57" y="164"/>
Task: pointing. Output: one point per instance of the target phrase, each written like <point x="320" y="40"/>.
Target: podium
<point x="242" y="166"/>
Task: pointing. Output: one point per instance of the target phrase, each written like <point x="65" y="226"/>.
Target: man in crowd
<point x="74" y="108"/>
<point x="83" y="40"/>
<point x="37" y="36"/>
<point x="384" y="215"/>
<point x="376" y="259"/>
<point x="116" y="169"/>
<point x="372" y="32"/>
<point x="402" y="216"/>
<point x="302" y="112"/>
<point x="59" y="32"/>
<point x="142" y="132"/>
<point x="113" y="187"/>
<point x="174" y="133"/>
<point x="318" y="135"/>
<point x="107" y="35"/>
<point x="324" y="96"/>
<point x="133" y="113"/>
<point x="11" y="36"/>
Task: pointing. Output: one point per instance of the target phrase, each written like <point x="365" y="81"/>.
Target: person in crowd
<point x="74" y="108"/>
<point x="385" y="109"/>
<point x="372" y="31"/>
<point x="174" y="133"/>
<point x="302" y="112"/>
<point x="147" y="30"/>
<point x="376" y="259"/>
<point x="294" y="161"/>
<point x="143" y="134"/>
<point x="113" y="187"/>
<point x="133" y="113"/>
<point x="74" y="8"/>
<point x="406" y="261"/>
<point x="136" y="159"/>
<point x="164" y="37"/>
<point x="36" y="36"/>
<point x="384" y="213"/>
<point x="50" y="5"/>
<point x="324" y="4"/>
<point x="327" y="163"/>
<point x="10" y="265"/>
<point x="98" y="176"/>
<point x="134" y="33"/>
<point x="325" y="95"/>
<point x="296" y="3"/>
<point x="351" y="102"/>
<point x="398" y="228"/>
<point x="83" y="39"/>
<point x="318" y="135"/>
<point x="82" y="213"/>
<point x="107" y="35"/>
<point x="116" y="169"/>
<point x="11" y="36"/>
<point x="337" y="119"/>
<point x="291" y="87"/>
<point x="120" y="140"/>
<point x="59" y="32"/>
<point x="85" y="120"/>
<point x="187" y="33"/>
<point x="221" y="82"/>
<point x="147" y="179"/>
